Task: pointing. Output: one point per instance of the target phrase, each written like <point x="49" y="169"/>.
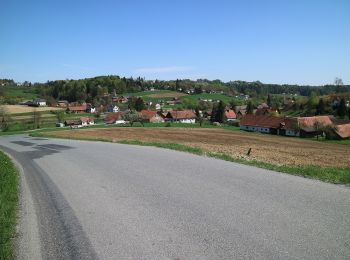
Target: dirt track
<point x="274" y="149"/>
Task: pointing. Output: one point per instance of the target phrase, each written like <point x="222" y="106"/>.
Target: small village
<point x="264" y="119"/>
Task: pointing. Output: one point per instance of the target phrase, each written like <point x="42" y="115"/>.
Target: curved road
<point x="94" y="200"/>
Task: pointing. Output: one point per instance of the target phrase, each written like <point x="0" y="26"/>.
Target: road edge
<point x="27" y="243"/>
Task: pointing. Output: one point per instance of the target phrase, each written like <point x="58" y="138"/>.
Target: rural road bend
<point x="94" y="200"/>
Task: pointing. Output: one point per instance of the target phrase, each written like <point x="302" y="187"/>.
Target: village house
<point x="62" y="103"/>
<point x="74" y="108"/>
<point x="40" y="102"/>
<point x="86" y="121"/>
<point x="114" y="118"/>
<point x="297" y="127"/>
<point x="230" y="115"/>
<point x="262" y="124"/>
<point x="185" y="116"/>
<point x="157" y="106"/>
<point x="151" y="116"/>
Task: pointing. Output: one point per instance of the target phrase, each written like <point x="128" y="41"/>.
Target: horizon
<point x="292" y="43"/>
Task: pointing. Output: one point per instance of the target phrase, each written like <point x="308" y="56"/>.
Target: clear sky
<point x="281" y="41"/>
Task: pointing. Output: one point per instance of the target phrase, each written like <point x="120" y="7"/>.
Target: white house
<point x="115" y="109"/>
<point x="40" y="102"/>
<point x="186" y="116"/>
<point x="86" y="121"/>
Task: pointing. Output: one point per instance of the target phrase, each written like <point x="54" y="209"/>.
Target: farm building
<point x="151" y="116"/>
<point x="85" y="121"/>
<point x="185" y="116"/>
<point x="262" y="124"/>
<point x="230" y="115"/>
<point x="113" y="118"/>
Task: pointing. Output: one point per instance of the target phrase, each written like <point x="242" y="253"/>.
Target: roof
<point x="308" y="123"/>
<point x="147" y="114"/>
<point x="78" y="108"/>
<point x="86" y="119"/>
<point x="112" y="117"/>
<point x="261" y="121"/>
<point x="185" y="114"/>
<point x="343" y="130"/>
<point x="263" y="111"/>
<point x="230" y="114"/>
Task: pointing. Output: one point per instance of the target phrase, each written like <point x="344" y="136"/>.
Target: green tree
<point x="341" y="110"/>
<point x="219" y="114"/>
<point x="60" y="116"/>
<point x="132" y="116"/>
<point x="36" y="119"/>
<point x="269" y="100"/>
<point x="250" y="108"/>
<point x="320" y="107"/>
<point x="199" y="116"/>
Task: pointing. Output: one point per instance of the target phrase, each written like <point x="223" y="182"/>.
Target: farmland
<point x="266" y="148"/>
<point x="18" y="109"/>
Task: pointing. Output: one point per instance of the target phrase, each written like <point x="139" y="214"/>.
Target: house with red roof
<point x="184" y="116"/>
<point x="86" y="121"/>
<point x="230" y="115"/>
<point x="151" y="116"/>
<point x="113" y="118"/>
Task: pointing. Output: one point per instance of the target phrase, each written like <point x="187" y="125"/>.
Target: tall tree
<point x="250" y="108"/>
<point x="139" y="104"/>
<point x="219" y="115"/>
<point x="341" y="110"/>
<point x="320" y="107"/>
<point x="269" y="100"/>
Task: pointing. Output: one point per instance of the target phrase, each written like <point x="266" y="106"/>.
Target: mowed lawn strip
<point x="8" y="206"/>
<point x="318" y="160"/>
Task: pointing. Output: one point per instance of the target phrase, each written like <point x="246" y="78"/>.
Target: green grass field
<point x="8" y="206"/>
<point x="20" y="93"/>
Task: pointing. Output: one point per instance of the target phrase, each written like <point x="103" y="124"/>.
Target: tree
<point x="36" y="119"/>
<point x="199" y="116"/>
<point x="341" y="110"/>
<point x="250" y="108"/>
<point x="338" y="81"/>
<point x="219" y="116"/>
<point x="137" y="104"/>
<point x="269" y="100"/>
<point x="132" y="116"/>
<point x="60" y="116"/>
<point x="320" y="107"/>
<point x="5" y="119"/>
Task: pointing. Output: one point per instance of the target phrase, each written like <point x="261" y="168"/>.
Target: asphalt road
<point x="94" y="200"/>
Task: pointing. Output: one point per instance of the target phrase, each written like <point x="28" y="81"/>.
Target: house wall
<point x="292" y="133"/>
<point x="254" y="129"/>
<point x="186" y="121"/>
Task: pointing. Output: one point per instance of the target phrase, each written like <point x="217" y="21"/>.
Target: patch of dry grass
<point x="17" y="109"/>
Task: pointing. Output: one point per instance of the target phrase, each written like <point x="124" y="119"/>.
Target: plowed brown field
<point x="273" y="149"/>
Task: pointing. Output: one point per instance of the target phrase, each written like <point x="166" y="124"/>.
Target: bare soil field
<point x="167" y="95"/>
<point x="16" y="109"/>
<point x="272" y="149"/>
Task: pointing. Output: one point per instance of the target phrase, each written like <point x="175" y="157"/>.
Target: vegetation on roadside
<point x="8" y="206"/>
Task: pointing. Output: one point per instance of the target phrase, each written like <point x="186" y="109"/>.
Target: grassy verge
<point x="331" y="175"/>
<point x="8" y="205"/>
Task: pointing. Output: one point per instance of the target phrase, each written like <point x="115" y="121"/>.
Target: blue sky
<point x="295" y="42"/>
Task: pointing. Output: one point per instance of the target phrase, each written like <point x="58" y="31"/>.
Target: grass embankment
<point x="8" y="206"/>
<point x="337" y="175"/>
